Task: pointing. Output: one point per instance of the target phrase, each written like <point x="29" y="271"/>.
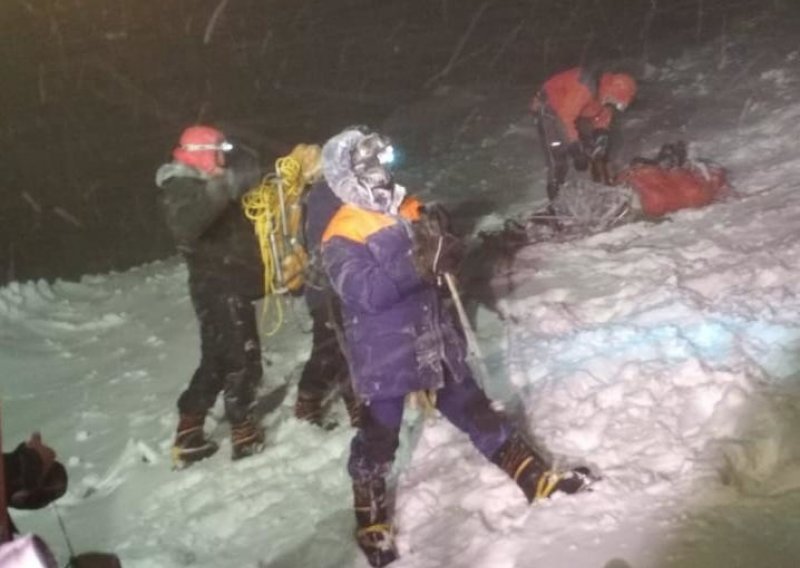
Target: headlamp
<point x="223" y="146"/>
<point x="617" y="105"/>
<point x="386" y="156"/>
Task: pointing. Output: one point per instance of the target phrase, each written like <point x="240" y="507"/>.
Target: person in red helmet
<point x="575" y="109"/>
<point x="200" y="191"/>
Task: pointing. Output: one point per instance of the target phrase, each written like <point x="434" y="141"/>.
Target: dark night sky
<point x="96" y="91"/>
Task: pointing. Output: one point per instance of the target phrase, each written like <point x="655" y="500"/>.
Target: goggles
<point x="223" y="146"/>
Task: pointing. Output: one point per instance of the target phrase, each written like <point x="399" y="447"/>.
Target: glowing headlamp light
<point x="386" y="156"/>
<point x="223" y="146"/>
<point x="618" y="105"/>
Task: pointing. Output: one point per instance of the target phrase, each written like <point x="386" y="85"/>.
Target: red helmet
<point x="617" y="89"/>
<point x="200" y="147"/>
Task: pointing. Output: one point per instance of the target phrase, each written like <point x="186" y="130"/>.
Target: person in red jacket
<point x="575" y="109"/>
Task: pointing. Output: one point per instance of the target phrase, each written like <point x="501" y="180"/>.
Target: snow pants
<point x="230" y="354"/>
<point x="554" y="148"/>
<point x="326" y="368"/>
<point x="462" y="402"/>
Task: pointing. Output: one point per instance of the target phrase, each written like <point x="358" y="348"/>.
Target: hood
<point x="338" y="172"/>
<point x="177" y="169"/>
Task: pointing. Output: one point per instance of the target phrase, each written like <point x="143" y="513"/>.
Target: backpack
<point x="663" y="190"/>
<point x="670" y="181"/>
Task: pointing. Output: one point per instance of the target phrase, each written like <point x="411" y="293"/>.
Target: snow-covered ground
<point x="665" y="355"/>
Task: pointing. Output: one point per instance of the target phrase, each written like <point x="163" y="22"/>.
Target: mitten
<point x="435" y="251"/>
<point x="438" y="216"/>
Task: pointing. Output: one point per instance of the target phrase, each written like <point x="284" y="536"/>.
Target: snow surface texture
<point x="664" y="355"/>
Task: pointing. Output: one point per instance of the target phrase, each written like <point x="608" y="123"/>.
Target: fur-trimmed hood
<point x="178" y="169"/>
<point x="345" y="184"/>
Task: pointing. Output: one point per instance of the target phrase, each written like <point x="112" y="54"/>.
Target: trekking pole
<point x="473" y="348"/>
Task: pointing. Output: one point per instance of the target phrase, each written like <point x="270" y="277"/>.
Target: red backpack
<point x="662" y="190"/>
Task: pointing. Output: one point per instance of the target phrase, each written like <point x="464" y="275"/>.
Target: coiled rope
<point x="274" y="209"/>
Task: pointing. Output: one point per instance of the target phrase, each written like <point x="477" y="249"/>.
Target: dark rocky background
<point x="95" y="92"/>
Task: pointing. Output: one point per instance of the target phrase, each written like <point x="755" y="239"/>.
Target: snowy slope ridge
<point x="664" y="355"/>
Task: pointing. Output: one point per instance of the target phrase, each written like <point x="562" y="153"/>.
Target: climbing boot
<point x="374" y="533"/>
<point x="247" y="439"/>
<point x="308" y="407"/>
<point x="534" y="476"/>
<point x="191" y="444"/>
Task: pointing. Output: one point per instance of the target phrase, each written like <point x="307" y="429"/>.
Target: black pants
<point x="555" y="149"/>
<point x="326" y="368"/>
<point x="230" y="354"/>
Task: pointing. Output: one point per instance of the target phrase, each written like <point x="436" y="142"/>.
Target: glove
<point x="293" y="267"/>
<point x="38" y="478"/>
<point x="435" y="251"/>
<point x="579" y="158"/>
<point x="599" y="144"/>
<point x="438" y="215"/>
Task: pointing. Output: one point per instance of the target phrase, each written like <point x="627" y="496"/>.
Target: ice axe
<point x="473" y="349"/>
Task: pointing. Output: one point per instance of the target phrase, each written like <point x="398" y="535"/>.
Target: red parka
<point x="573" y="94"/>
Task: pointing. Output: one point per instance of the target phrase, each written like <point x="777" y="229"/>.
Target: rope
<point x="379" y="528"/>
<point x="274" y="208"/>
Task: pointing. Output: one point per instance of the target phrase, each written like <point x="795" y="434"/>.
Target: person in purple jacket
<point x="401" y="338"/>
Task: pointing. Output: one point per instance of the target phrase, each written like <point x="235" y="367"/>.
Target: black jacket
<point x="319" y="206"/>
<point x="211" y="231"/>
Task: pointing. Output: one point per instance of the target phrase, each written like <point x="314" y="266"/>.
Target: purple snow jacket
<point x="399" y="335"/>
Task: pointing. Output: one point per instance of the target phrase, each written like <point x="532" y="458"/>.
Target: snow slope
<point x="664" y="355"/>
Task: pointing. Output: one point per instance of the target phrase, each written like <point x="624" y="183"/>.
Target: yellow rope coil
<point x="274" y="209"/>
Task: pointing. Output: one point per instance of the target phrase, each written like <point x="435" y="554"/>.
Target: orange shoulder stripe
<point x="411" y="208"/>
<point x="356" y="224"/>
